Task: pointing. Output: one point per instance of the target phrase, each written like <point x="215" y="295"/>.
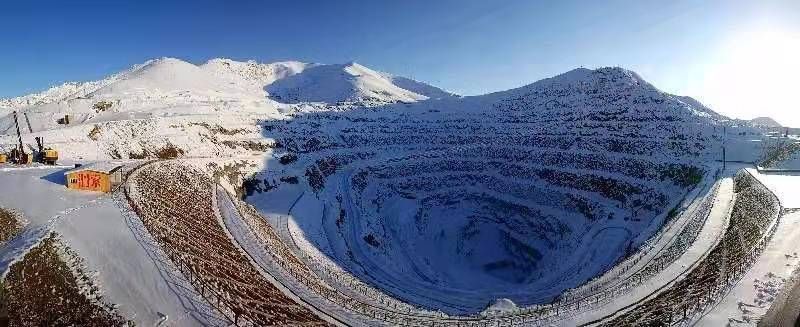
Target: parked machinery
<point x="19" y="156"/>
<point x="63" y="120"/>
<point x="45" y="155"/>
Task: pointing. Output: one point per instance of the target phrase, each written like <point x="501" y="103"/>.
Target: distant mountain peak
<point x="350" y="83"/>
<point x="765" y="122"/>
<point x="259" y="74"/>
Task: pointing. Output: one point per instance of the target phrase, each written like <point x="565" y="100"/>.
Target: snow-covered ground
<point x="125" y="264"/>
<point x="786" y="186"/>
<point x="745" y="304"/>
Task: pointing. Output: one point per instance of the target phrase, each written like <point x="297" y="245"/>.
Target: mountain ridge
<point x="298" y="82"/>
<point x="765" y="122"/>
<point x="250" y="76"/>
<point x="150" y="95"/>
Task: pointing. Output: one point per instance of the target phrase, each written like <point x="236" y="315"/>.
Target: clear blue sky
<point x="466" y="46"/>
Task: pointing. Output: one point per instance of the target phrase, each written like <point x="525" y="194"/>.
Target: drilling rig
<point x="46" y="156"/>
<point x="18" y="155"/>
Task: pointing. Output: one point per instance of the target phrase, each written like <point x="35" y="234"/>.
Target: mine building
<point x="101" y="177"/>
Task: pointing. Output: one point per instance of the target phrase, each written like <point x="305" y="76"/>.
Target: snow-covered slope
<point x="696" y="105"/>
<point x="66" y="91"/>
<point x="259" y="74"/>
<point x="765" y="122"/>
<point x="206" y="110"/>
<point x="166" y="75"/>
<point x="349" y="83"/>
<point x="161" y="104"/>
<point x="452" y="204"/>
<point x="418" y="87"/>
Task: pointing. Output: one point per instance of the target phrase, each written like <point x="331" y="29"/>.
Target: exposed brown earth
<point x="42" y="290"/>
<point x="746" y="236"/>
<point x="10" y="225"/>
<point x="175" y="206"/>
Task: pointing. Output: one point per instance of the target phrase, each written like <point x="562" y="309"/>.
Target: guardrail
<point x="379" y="306"/>
<point x="756" y="251"/>
<point x="754" y="217"/>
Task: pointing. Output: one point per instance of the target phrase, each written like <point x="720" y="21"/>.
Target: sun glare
<point x="756" y="74"/>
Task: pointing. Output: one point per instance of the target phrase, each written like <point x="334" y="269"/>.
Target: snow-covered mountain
<point x="350" y="83"/>
<point x="66" y="91"/>
<point x="418" y="87"/>
<point x="696" y="105"/>
<point x="453" y="203"/>
<point x="259" y="74"/>
<point x="165" y="76"/>
<point x="148" y="105"/>
<point x="765" y="122"/>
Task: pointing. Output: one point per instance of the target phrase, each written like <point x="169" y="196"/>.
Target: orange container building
<point x="100" y="177"/>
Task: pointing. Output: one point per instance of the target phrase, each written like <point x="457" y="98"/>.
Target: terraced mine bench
<point x="175" y="207"/>
<point x="753" y="219"/>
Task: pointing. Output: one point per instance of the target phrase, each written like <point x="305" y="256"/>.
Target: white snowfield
<point x="570" y="200"/>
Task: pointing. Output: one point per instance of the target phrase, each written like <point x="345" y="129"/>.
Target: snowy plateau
<point x="295" y="193"/>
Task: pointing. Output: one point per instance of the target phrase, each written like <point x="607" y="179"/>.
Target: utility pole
<point x="723" y="158"/>
<point x="724" y="133"/>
